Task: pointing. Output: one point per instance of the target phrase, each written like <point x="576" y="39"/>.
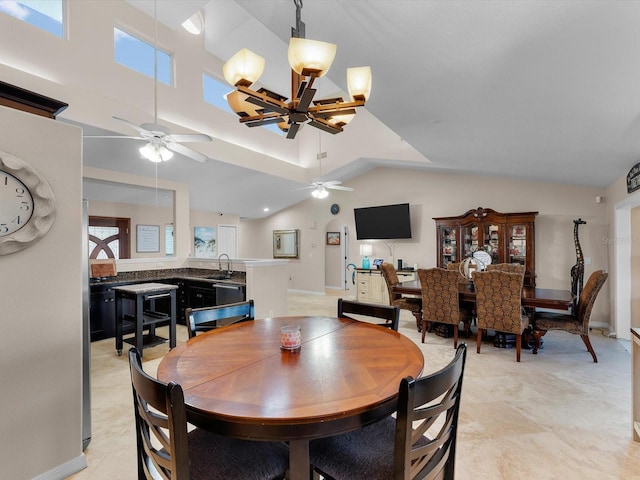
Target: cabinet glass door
<point x="449" y="245"/>
<point x="518" y="244"/>
<point x="491" y="242"/>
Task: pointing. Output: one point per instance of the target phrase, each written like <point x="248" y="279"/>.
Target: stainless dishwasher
<point x="228" y="293"/>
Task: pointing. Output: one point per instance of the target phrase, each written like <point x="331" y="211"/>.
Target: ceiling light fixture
<point x="320" y="192"/>
<point x="156" y="153"/>
<point x="194" y="24"/>
<point x="309" y="59"/>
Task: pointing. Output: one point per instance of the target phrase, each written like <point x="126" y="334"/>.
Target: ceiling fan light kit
<point x="156" y="153"/>
<point x="308" y="59"/>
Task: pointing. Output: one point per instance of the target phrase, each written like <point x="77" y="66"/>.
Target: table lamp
<point x="366" y="249"/>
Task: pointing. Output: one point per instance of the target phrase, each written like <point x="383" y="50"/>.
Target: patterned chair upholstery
<point x="414" y="305"/>
<point x="577" y="324"/>
<point x="440" y="302"/>
<point x="498" y="304"/>
<point x="507" y="267"/>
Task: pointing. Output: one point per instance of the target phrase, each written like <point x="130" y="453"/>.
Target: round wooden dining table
<point x="237" y="381"/>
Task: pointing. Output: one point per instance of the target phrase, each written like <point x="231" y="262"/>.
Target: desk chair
<point x="385" y="312"/>
<point x="440" y="302"/>
<point x="207" y="318"/>
<point x="414" y="305"/>
<point x="499" y="305"/>
<point x="420" y="443"/>
<point x="578" y="323"/>
<point x="166" y="450"/>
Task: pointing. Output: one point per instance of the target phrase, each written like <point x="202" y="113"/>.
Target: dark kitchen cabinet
<point x="102" y="312"/>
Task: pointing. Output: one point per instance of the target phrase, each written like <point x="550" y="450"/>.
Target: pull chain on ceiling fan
<point x="320" y="187"/>
<point x="161" y="143"/>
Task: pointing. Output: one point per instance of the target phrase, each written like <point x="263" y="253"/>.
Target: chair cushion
<point x="366" y="453"/>
<point x="558" y="321"/>
<point x="408" y="303"/>
<point x="216" y="456"/>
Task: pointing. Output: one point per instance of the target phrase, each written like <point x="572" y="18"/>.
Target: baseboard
<point x="64" y="470"/>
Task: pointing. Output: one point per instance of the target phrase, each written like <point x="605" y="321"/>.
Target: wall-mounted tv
<point x="386" y="222"/>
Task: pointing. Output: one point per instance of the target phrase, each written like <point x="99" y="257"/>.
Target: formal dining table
<point x="531" y="297"/>
<point x="237" y="381"/>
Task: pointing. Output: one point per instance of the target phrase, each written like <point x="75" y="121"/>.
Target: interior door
<point x="227" y="240"/>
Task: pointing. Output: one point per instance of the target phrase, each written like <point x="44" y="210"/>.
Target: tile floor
<point x="555" y="415"/>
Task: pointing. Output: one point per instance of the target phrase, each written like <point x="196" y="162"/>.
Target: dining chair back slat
<point x="385" y="312"/>
<point x="208" y="318"/>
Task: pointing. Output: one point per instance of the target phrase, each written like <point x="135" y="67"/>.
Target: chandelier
<point x="309" y="59"/>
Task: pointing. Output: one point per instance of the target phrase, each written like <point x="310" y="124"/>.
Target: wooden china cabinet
<point x="506" y="237"/>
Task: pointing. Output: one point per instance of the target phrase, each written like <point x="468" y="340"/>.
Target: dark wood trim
<point x="28" y="101"/>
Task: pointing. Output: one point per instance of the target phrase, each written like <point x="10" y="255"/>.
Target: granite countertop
<point x="146" y="276"/>
<point x="139" y="288"/>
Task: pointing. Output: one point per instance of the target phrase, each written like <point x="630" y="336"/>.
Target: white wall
<point x="438" y="194"/>
<point x="41" y="298"/>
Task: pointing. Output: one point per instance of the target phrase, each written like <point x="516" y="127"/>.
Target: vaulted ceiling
<point x="539" y="90"/>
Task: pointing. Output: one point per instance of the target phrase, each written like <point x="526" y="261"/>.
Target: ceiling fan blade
<point x="339" y="187"/>
<point x="190" y="137"/>
<point x="187" y="152"/>
<point x="114" y="136"/>
<point x="132" y="125"/>
<point x="305" y="188"/>
<point x="332" y="182"/>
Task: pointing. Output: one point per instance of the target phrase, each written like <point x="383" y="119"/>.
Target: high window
<point x="137" y="55"/>
<point x="44" y="14"/>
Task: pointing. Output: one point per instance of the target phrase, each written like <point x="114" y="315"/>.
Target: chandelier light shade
<point x="156" y="153"/>
<point x="359" y="82"/>
<point x="308" y="59"/>
<point x="244" y="68"/>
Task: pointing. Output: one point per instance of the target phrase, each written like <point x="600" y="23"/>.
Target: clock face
<point x="27" y="204"/>
<point x="335" y="208"/>
<point x="16" y="204"/>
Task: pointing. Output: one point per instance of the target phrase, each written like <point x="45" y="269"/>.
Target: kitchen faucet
<point x="228" y="271"/>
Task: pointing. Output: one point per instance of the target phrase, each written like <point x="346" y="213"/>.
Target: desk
<point x="531" y="297"/>
<point x="145" y="319"/>
<point x="238" y="382"/>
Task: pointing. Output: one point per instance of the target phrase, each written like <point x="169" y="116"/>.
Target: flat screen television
<point x="386" y="222"/>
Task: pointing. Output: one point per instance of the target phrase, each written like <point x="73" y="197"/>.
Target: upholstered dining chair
<point x="414" y="305"/>
<point x="507" y="267"/>
<point x="207" y="318"/>
<point x="167" y="451"/>
<point x="391" y="314"/>
<point x="499" y="305"/>
<point x="440" y="302"/>
<point x="578" y="323"/>
<point x="419" y="443"/>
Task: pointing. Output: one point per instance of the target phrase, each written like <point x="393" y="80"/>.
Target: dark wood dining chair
<point x="208" y="318"/>
<point x="419" y="443"/>
<point x="384" y="312"/>
<point x="499" y="305"/>
<point x="577" y="324"/>
<point x="166" y="450"/>
<point x="440" y="302"/>
<point x="414" y="305"/>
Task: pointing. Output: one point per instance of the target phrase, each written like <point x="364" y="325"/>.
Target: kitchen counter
<point x="197" y="274"/>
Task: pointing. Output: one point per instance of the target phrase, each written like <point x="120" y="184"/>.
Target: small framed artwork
<point x="333" y="238"/>
<point x="147" y="238"/>
<point x="204" y="242"/>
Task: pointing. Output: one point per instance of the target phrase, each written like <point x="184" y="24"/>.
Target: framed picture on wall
<point x="204" y="242"/>
<point x="333" y="238"/>
<point x="147" y="238"/>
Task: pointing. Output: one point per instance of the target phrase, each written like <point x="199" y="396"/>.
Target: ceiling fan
<point x="161" y="143"/>
<point x="320" y="187"/>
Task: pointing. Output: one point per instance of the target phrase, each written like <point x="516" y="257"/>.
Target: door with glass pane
<point x="109" y="237"/>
